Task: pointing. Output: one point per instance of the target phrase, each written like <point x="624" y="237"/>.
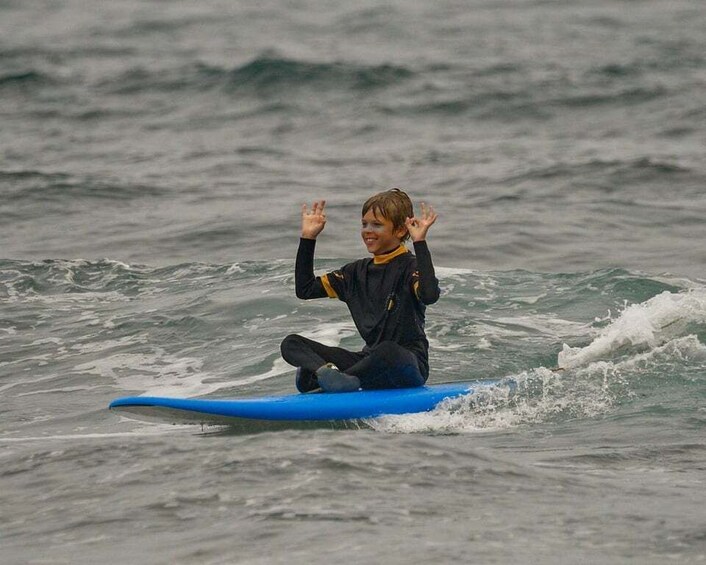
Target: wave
<point x="196" y="328"/>
<point x="654" y="349"/>
<point x="670" y="59"/>
<point x="264" y="73"/>
<point x="544" y="396"/>
<point x="487" y="296"/>
<point x="640" y="326"/>
<point x="273" y="72"/>
<point x="619" y="97"/>
<point x="504" y="90"/>
<point x="525" y="101"/>
<point x="39" y="188"/>
<point x="638" y="170"/>
<point x="509" y="89"/>
<point x="27" y="79"/>
<point x="491" y="104"/>
<point x="53" y="278"/>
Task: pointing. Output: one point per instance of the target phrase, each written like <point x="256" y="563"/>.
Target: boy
<point x="386" y="296"/>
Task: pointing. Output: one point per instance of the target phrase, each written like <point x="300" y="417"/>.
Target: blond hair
<point x="394" y="205"/>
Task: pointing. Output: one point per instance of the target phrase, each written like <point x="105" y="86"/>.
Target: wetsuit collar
<point x="387" y="257"/>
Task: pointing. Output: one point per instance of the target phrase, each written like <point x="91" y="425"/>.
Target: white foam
<point x="479" y="411"/>
<point x="484" y="344"/>
<point x="331" y="334"/>
<point x="521" y="326"/>
<point x="98" y="346"/>
<point x="27" y="381"/>
<point x="154" y="429"/>
<point x="235" y="268"/>
<point x="156" y="373"/>
<point x="59" y="390"/>
<point x="645" y="325"/>
<point x="443" y="272"/>
<point x="540" y="394"/>
<point x="544" y="324"/>
<point x="537" y="395"/>
<point x="46" y="340"/>
<point x="683" y="348"/>
<point x="159" y="373"/>
<point x="529" y="299"/>
<point x="279" y="367"/>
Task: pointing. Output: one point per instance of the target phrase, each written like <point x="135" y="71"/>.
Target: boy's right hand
<point x="314" y="220"/>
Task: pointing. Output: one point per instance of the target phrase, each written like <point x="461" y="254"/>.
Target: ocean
<point x="154" y="157"/>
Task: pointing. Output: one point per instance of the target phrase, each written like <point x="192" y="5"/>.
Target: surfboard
<point x="309" y="407"/>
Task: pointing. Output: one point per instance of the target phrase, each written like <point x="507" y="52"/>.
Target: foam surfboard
<point x="310" y="407"/>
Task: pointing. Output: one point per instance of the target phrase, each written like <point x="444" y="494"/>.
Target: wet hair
<point x="394" y="205"/>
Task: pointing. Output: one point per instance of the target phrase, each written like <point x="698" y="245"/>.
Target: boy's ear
<point x="401" y="232"/>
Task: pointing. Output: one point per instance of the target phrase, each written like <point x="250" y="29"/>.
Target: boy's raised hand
<point x="314" y="220"/>
<point x="418" y="227"/>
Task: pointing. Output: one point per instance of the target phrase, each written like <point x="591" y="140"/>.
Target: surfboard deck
<point x="309" y="407"/>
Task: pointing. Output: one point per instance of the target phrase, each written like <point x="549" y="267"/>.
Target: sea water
<point x="153" y="160"/>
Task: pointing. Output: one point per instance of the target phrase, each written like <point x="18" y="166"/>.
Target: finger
<point x="319" y="207"/>
<point x="303" y="209"/>
<point x="428" y="211"/>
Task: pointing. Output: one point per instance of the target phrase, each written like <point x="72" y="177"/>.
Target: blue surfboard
<point x="310" y="407"/>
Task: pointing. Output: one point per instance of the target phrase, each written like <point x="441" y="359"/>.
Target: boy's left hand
<point x="418" y="227"/>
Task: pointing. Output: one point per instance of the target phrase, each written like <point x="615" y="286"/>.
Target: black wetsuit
<point x="386" y="296"/>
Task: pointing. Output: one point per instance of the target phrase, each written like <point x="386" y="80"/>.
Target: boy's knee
<point x="387" y="349"/>
<point x="289" y="341"/>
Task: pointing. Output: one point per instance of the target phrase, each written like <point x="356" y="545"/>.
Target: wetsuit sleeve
<point x="335" y="284"/>
<point x="424" y="281"/>
<point x="306" y="285"/>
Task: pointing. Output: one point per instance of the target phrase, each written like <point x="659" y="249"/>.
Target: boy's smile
<point x="379" y="235"/>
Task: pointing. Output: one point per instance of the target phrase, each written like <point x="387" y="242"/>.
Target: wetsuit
<point x="386" y="296"/>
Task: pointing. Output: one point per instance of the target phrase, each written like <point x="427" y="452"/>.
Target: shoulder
<point x="354" y="268"/>
<point x="408" y="261"/>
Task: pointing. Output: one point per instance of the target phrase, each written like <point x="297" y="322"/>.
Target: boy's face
<point x="379" y="234"/>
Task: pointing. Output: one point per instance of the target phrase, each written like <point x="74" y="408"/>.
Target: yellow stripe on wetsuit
<point x="328" y="288"/>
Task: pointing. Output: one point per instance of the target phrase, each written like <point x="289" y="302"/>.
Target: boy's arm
<point x="427" y="289"/>
<point x="306" y="284"/>
<point x="426" y="285"/>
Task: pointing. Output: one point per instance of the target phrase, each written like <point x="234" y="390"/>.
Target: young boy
<point x="386" y="295"/>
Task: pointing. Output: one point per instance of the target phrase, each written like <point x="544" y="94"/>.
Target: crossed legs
<point x="387" y="365"/>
